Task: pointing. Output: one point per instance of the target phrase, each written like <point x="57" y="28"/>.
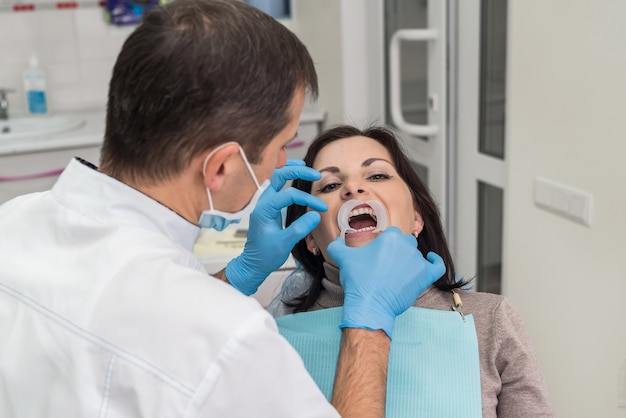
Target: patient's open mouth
<point x="358" y="216"/>
<point x="362" y="218"/>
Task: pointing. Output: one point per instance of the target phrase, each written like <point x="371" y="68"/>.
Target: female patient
<point x="455" y="345"/>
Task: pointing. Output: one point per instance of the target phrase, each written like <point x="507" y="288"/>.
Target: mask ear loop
<point x="219" y="147"/>
<point x="208" y="193"/>
<point x="245" y="160"/>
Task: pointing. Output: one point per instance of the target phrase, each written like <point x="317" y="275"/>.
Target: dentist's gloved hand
<point x="268" y="244"/>
<point x="382" y="279"/>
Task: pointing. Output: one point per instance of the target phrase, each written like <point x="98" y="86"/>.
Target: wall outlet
<point x="563" y="200"/>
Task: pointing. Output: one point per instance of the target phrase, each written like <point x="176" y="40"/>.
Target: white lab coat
<point x="105" y="312"/>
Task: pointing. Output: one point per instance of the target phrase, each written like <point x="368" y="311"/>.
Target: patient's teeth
<point x="347" y="211"/>
<point x="363" y="211"/>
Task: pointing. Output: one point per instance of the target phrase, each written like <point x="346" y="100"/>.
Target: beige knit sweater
<point x="512" y="384"/>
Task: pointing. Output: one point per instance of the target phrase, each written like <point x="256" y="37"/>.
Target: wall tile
<point x="92" y="31"/>
<point x="95" y="77"/>
<point x="76" y="49"/>
<point x="97" y="39"/>
<point x="64" y="86"/>
<point x="17" y="40"/>
<point x="55" y="35"/>
<point x="117" y="37"/>
<point x="11" y="77"/>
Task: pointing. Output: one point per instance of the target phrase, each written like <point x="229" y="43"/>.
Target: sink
<point x="38" y="126"/>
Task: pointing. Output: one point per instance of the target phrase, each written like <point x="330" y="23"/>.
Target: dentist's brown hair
<point x="196" y="74"/>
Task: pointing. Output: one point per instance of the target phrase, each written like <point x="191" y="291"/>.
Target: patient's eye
<point x="327" y="188"/>
<point x="379" y="177"/>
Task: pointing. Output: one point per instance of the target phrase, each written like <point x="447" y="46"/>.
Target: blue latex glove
<point x="268" y="244"/>
<point x="382" y="279"/>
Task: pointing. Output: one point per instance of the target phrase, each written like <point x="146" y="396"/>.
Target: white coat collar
<point x="104" y="198"/>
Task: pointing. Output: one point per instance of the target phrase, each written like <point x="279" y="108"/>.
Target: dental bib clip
<point x="343" y="217"/>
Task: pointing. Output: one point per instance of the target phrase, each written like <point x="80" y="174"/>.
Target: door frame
<point x="471" y="165"/>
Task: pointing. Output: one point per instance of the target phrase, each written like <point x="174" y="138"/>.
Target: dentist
<point x="104" y="309"/>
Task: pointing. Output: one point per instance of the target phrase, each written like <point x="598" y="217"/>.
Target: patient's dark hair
<point x="195" y="74"/>
<point x="432" y="237"/>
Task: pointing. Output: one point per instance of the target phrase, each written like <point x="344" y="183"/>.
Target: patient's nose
<point x="352" y="189"/>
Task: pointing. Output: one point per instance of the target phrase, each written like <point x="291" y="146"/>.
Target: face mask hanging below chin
<point x="219" y="220"/>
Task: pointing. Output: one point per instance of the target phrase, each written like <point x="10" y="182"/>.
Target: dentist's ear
<point x="214" y="164"/>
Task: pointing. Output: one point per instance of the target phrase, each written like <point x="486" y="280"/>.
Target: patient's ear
<point x="419" y="223"/>
<point x="311" y="245"/>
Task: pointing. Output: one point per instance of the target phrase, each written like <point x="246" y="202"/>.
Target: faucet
<point x="4" y="103"/>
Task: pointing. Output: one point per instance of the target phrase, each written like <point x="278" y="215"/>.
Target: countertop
<point x="90" y="133"/>
<point x="215" y="249"/>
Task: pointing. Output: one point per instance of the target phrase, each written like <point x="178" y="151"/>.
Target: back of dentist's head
<point x="195" y="74"/>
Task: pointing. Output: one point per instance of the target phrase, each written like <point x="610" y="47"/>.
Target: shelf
<point x="25" y="7"/>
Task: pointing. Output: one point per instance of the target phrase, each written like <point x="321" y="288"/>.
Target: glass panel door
<point x="481" y="164"/>
<point x="446" y="96"/>
<point x="414" y="58"/>
<point x="416" y="78"/>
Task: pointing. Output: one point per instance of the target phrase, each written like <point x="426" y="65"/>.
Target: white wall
<point x="567" y="121"/>
<point x="75" y="48"/>
<point x="317" y="24"/>
<point x="341" y="36"/>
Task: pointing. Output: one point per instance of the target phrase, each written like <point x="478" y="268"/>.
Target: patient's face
<point x="359" y="168"/>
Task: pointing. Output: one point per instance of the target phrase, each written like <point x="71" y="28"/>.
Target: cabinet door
<point x="35" y="172"/>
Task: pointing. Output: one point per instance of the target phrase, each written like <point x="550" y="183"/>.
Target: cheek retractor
<point x="343" y="217"/>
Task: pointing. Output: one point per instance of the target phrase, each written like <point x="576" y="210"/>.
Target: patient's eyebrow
<point x="331" y="169"/>
<point x="370" y="161"/>
<point x="366" y="163"/>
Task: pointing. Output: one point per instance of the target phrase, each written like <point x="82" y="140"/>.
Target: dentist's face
<point x="359" y="168"/>
<point x="275" y="153"/>
<point x="273" y="156"/>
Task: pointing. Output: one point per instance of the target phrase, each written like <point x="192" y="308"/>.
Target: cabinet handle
<point x="51" y="173"/>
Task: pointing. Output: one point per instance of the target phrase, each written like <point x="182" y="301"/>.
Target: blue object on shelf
<point x="278" y="9"/>
<point x="127" y="12"/>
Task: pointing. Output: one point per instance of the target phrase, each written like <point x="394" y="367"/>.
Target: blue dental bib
<point x="434" y="368"/>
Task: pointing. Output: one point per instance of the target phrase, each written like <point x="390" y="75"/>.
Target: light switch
<point x="563" y="200"/>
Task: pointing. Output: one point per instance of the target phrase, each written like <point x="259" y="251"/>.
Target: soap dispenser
<point x="35" y="88"/>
